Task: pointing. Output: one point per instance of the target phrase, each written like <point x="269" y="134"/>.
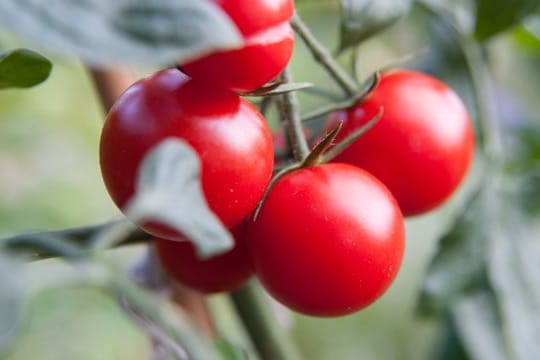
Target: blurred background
<point x="50" y="179"/>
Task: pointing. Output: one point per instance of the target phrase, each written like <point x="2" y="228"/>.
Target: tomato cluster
<point x="328" y="239"/>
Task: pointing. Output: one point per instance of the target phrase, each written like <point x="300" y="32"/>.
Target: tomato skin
<point x="421" y="148"/>
<point x="328" y="240"/>
<point x="267" y="49"/>
<point x="221" y="273"/>
<point x="227" y="132"/>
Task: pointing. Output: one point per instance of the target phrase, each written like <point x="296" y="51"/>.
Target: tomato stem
<point x="324" y="57"/>
<point x="370" y="85"/>
<point x="482" y="84"/>
<point x="34" y="243"/>
<point x="267" y="336"/>
<point x="290" y="112"/>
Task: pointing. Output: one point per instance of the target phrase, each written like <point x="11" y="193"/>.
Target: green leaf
<point x="495" y="16"/>
<point x="485" y="275"/>
<point x="230" y="350"/>
<point x="169" y="191"/>
<point x="514" y="270"/>
<point x="528" y="35"/>
<point x="11" y="299"/>
<point x="154" y="32"/>
<point x="459" y="262"/>
<point x="23" y="68"/>
<point x="479" y="327"/>
<point x="458" y="13"/>
<point x="361" y="19"/>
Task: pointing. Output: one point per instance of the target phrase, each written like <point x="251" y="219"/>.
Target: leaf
<point x="459" y="262"/>
<point x="459" y="13"/>
<point x="491" y="292"/>
<point x="514" y="270"/>
<point x="11" y="299"/>
<point x="361" y="19"/>
<point x="495" y="16"/>
<point x="169" y="191"/>
<point x="528" y="35"/>
<point x="230" y="350"/>
<point x="22" y="68"/>
<point x="478" y="326"/>
<point x="451" y="346"/>
<point x="278" y="88"/>
<point x="102" y="32"/>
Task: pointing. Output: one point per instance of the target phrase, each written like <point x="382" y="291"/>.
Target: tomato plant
<point x="422" y="146"/>
<point x="225" y="272"/>
<point x="268" y="46"/>
<point x="227" y="132"/>
<point x="328" y="240"/>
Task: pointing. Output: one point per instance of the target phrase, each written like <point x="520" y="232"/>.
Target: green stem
<point x="40" y="246"/>
<point x="169" y="320"/>
<point x="269" y="340"/>
<point x="324" y="57"/>
<point x="482" y="84"/>
<point x="367" y="89"/>
<point x="291" y="118"/>
<point x="43" y="245"/>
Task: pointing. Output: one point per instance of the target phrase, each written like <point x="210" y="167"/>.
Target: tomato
<point x="422" y="146"/>
<point x="328" y="240"/>
<point x="230" y="136"/>
<point x="267" y="49"/>
<point x="224" y="272"/>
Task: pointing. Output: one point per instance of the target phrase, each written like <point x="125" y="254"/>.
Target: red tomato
<point x="225" y="272"/>
<point x="328" y="240"/>
<point x="422" y="146"/>
<point x="230" y="136"/>
<point x="267" y="49"/>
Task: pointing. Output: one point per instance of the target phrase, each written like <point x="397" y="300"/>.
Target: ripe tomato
<point x="230" y="136"/>
<point x="268" y="46"/>
<point x="225" y="272"/>
<point x="422" y="146"/>
<point x="328" y="240"/>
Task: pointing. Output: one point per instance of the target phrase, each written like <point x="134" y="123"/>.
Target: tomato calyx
<point x="276" y="88"/>
<point x="316" y="156"/>
<point x="367" y="88"/>
<point x="275" y="178"/>
<point x="345" y="143"/>
<point x="320" y="154"/>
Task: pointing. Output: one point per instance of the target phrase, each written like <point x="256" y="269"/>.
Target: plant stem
<point x="110" y="83"/>
<point x="169" y="320"/>
<point x="290" y="109"/>
<point x="324" y="57"/>
<point x="40" y="247"/>
<point x="367" y="88"/>
<point x="482" y="83"/>
<point x="269" y="340"/>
